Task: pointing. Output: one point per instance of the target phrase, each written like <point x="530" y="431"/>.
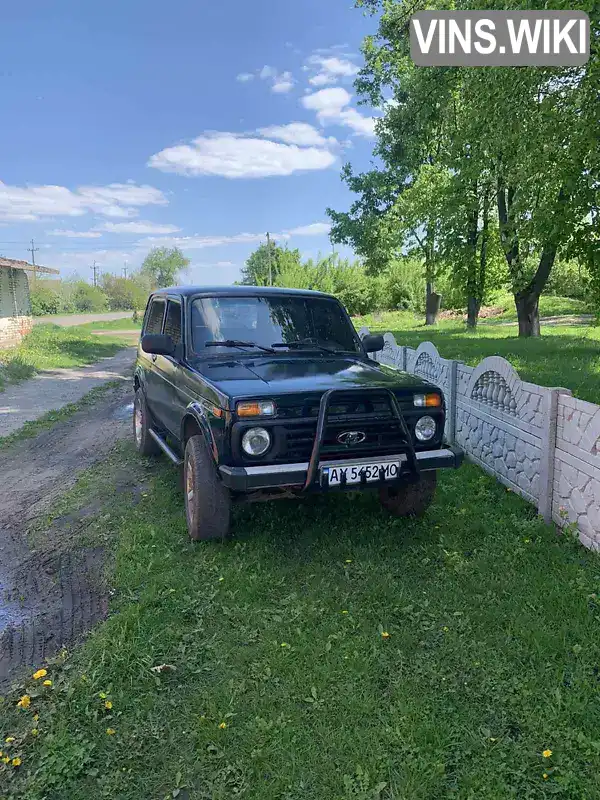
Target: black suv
<point x="264" y="392"/>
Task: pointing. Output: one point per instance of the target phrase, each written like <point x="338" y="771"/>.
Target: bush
<point x="124" y="294"/>
<point x="44" y="300"/>
<point x="568" y="279"/>
<point x="89" y="298"/>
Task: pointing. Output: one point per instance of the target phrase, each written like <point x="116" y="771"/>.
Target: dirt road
<point x="52" y="594"/>
<point x="55" y="388"/>
<point x="80" y="319"/>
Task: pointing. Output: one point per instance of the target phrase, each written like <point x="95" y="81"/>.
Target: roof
<point x="240" y="291"/>
<point x="13" y="263"/>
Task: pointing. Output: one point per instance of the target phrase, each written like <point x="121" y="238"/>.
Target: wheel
<point x="144" y="443"/>
<point x="412" y="499"/>
<point x="207" y="501"/>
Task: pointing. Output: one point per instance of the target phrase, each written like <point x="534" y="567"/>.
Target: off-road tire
<point x="207" y="501"/>
<point x="411" y="499"/>
<point x="142" y="422"/>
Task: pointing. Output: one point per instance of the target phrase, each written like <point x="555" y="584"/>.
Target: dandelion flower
<point x="16" y="762"/>
<point x="547" y="753"/>
<point x="545" y="776"/>
<point x="9" y="739"/>
<point x="284" y="644"/>
<point x="348" y="561"/>
<point x="25" y="701"/>
<point x="223" y="725"/>
<point x="108" y="704"/>
<point x="36" y="717"/>
<point x="385" y="635"/>
<point x="110" y="731"/>
<point x="34" y="731"/>
<point x="41" y="673"/>
<point x="47" y="683"/>
<point x="5" y="760"/>
<point x="344" y="612"/>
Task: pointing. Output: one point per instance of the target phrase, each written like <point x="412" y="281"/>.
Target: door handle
<point x="154" y="359"/>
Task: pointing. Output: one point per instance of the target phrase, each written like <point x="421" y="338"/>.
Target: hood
<point x="301" y="374"/>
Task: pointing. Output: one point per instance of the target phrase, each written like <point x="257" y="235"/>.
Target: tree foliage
<point x="471" y="157"/>
<point x="265" y="264"/>
<point x="163" y="266"/>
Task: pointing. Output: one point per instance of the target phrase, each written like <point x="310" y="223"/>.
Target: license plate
<point x="354" y="472"/>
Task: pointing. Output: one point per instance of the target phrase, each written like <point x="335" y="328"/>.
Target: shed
<point x="15" y="306"/>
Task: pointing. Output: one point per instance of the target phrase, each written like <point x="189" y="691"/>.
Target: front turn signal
<point x="256" y="408"/>
<point x="427" y="400"/>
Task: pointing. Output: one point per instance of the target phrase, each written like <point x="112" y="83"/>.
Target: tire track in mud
<point x="50" y="596"/>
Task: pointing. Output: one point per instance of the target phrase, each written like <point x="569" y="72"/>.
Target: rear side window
<point x="173" y="321"/>
<point x="155" y="316"/>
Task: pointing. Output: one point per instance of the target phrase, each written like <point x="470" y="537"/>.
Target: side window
<point x="155" y="317"/>
<point x="173" y="321"/>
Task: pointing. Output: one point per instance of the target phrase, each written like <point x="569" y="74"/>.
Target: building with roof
<point x="15" y="306"/>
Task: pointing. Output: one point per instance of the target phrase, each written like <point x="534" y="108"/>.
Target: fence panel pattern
<point x="541" y="442"/>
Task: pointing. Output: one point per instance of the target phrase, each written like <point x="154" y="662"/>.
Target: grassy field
<point x="329" y="652"/>
<point x="549" y="306"/>
<point x="50" y="346"/>
<point x="566" y="356"/>
<point x="114" y="325"/>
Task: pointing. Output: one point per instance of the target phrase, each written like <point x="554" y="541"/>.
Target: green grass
<point x="493" y="656"/>
<point x="126" y="324"/>
<point x="566" y="356"/>
<point x="550" y="306"/>
<point x="50" y="346"/>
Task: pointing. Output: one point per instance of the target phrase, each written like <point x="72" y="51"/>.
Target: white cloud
<point x="140" y="226"/>
<point x="244" y="77"/>
<point x="231" y="155"/>
<point x="75" y="234"/>
<point x="330" y="69"/>
<point x="331" y="107"/>
<point x="315" y="229"/>
<point x="267" y="72"/>
<point x="300" y="133"/>
<point x="200" y="242"/>
<point x="115" y="200"/>
<point x="283" y="83"/>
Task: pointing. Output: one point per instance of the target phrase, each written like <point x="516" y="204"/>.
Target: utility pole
<point x="269" y="253"/>
<point x="33" y="250"/>
<point x="95" y="269"/>
<point x="125" y="270"/>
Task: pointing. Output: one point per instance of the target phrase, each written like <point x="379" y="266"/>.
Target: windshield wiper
<point x="307" y="343"/>
<point x="237" y="343"/>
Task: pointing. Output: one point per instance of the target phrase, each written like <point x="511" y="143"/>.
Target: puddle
<point x="124" y="412"/>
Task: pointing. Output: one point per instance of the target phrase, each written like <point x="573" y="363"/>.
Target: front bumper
<point x="251" y="479"/>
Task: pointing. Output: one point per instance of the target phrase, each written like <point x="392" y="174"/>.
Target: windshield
<point x="267" y="321"/>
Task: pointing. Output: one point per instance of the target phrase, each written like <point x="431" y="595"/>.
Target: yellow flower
<point x="9" y="739"/>
<point x="5" y="760"/>
<point x="385" y="635"/>
<point x="545" y="776"/>
<point x="284" y="644"/>
<point x="36" y="717"/>
<point x="16" y="762"/>
<point x="445" y="628"/>
<point x="110" y="731"/>
<point x="108" y="704"/>
<point x="34" y="731"/>
<point x="344" y="612"/>
<point x="25" y="701"/>
<point x="47" y="683"/>
<point x="547" y="753"/>
<point x="348" y="561"/>
<point x="101" y="695"/>
<point x="41" y="673"/>
<point x="223" y="725"/>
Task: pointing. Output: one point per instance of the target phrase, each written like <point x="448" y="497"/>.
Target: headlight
<point x="425" y="429"/>
<point x="256" y="408"/>
<point x="256" y="441"/>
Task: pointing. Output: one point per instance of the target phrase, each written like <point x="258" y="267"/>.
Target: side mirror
<point x="158" y="344"/>
<point x="373" y="343"/>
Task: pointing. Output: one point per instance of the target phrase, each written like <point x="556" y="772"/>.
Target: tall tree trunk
<point x="432" y="300"/>
<point x="473" y="301"/>
<point x="528" y="314"/>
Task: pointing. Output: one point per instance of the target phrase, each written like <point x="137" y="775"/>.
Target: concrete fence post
<point x="451" y="402"/>
<point x="548" y="453"/>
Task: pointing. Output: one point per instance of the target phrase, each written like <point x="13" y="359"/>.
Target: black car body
<point x="330" y="406"/>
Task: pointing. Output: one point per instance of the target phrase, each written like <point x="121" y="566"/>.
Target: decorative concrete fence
<point x="541" y="442"/>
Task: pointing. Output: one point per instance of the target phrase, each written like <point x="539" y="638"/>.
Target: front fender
<point x="199" y="413"/>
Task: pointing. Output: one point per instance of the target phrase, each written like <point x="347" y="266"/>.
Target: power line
<point x="125" y="271"/>
<point x="33" y="250"/>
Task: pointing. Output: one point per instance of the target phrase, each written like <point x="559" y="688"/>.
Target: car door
<point x="171" y="401"/>
<point x="153" y="323"/>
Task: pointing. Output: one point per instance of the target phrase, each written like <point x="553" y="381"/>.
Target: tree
<point x="264" y="265"/>
<point x="163" y="265"/>
<point x="125" y="294"/>
<point x="528" y="135"/>
<point x="89" y="298"/>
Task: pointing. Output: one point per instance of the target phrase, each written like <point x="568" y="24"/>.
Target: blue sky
<point x="129" y="124"/>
